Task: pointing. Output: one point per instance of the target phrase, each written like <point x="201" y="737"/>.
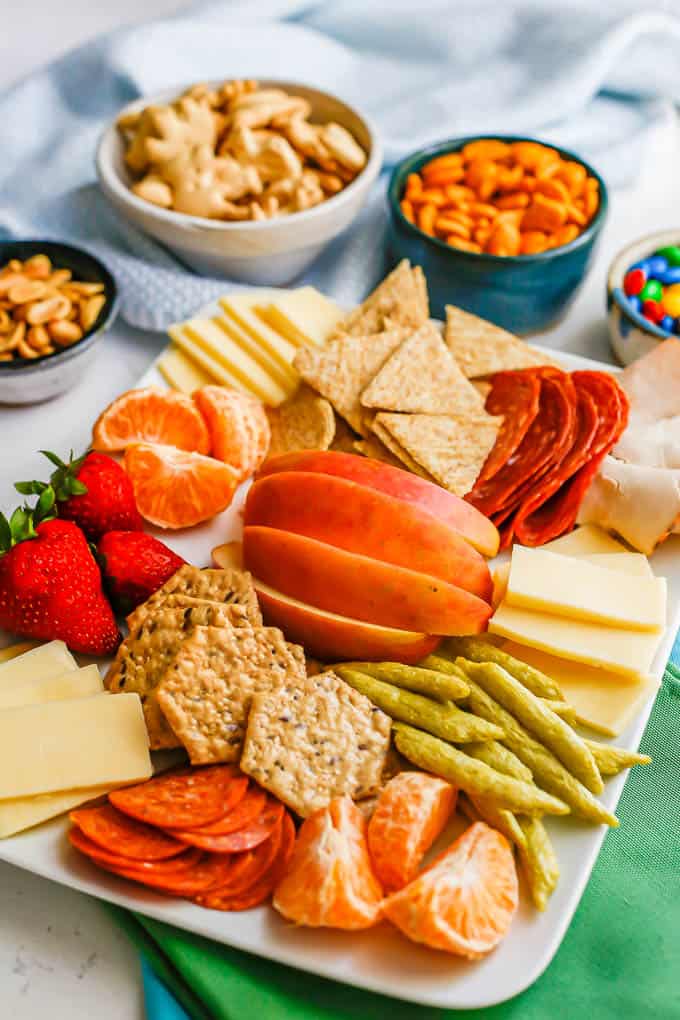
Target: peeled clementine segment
<point x="329" y="882"/>
<point x="238" y="427"/>
<point x="411" y="812"/>
<point x="175" y="488"/>
<point x="151" y="416"/>
<point x="465" y="901"/>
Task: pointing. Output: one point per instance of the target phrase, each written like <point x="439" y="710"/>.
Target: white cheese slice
<point x="49" y="659"/>
<point x="603" y="701"/>
<point x="180" y="372"/>
<point x="585" y="540"/>
<point x="12" y="651"/>
<point x="282" y="372"/>
<point x="207" y="362"/>
<point x="25" y="812"/>
<point x="77" y="683"/>
<point x="628" y="562"/>
<point x="221" y="348"/>
<point x="575" y="588"/>
<point x="240" y="309"/>
<point x="303" y="316"/>
<point x="79" y="742"/>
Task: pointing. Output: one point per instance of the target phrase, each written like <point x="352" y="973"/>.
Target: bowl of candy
<point x="643" y="295"/>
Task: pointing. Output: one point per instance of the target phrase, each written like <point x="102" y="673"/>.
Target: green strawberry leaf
<point x="64" y="480"/>
<point x="53" y="458"/>
<point x="33" y="488"/>
<point x="44" y="506"/>
<point x="21" y="525"/>
<point x="5" y="535"/>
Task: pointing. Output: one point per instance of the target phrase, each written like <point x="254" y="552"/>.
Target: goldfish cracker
<point x="511" y="179"/>
<point x="434" y="196"/>
<point x="513" y="200"/>
<point x="576" y="215"/>
<point x="565" y="235"/>
<point x="426" y="217"/>
<point x="451" y="159"/>
<point x="459" y="193"/>
<point x="544" y="214"/>
<point x="504" y="240"/>
<point x="450" y="175"/>
<point x="592" y="198"/>
<point x="406" y="207"/>
<point x="532" y="242"/>
<point x="573" y="175"/>
<point x="486" y="149"/>
<point x="553" y="188"/>
<point x="458" y="242"/>
<point x="414" y="186"/>
<point x="444" y="225"/>
<point x="482" y="235"/>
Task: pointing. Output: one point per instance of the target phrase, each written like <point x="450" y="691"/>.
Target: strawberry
<point x="50" y="585"/>
<point x="135" y="565"/>
<point x="93" y="491"/>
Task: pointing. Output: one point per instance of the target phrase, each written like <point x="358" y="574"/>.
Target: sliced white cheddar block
<point x="575" y="588"/>
<point x="206" y="361"/>
<point x="180" y="372"/>
<point x="223" y="350"/>
<point x="241" y="309"/>
<point x="284" y="374"/>
<point x="79" y="742"/>
<point x="628" y="562"/>
<point x="622" y="651"/>
<point x="50" y="659"/>
<point x="304" y="316"/>
<point x="77" y="683"/>
<point x="603" y="701"/>
<point x="22" y="813"/>
<point x="585" y="540"/>
<point x="12" y="651"/>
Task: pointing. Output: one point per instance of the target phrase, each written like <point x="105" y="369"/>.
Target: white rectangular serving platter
<point x="379" y="959"/>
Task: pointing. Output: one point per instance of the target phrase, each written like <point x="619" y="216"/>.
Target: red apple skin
<point x="403" y="485"/>
<point x="363" y="521"/>
<point x="365" y="589"/>
<point x="333" y="638"/>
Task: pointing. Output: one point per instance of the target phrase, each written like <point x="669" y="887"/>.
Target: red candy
<point x="653" y="310"/>
<point x="634" y="281"/>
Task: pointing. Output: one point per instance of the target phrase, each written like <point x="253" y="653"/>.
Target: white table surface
<point x="60" y="955"/>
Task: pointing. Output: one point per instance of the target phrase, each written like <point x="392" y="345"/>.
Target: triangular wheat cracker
<point x="452" y="448"/>
<point x="422" y="377"/>
<point x="480" y="348"/>
<point x="397" y="450"/>
<point x="342" y="369"/>
<point x="374" y="449"/>
<point x="401" y="298"/>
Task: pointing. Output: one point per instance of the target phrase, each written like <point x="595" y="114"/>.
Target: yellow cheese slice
<point x="240" y="308"/>
<point x="282" y="373"/>
<point x="622" y="651"/>
<point x="575" y="588"/>
<point x="24" y="812"/>
<point x="180" y="372"/>
<point x="215" y="342"/>
<point x="49" y="659"/>
<point x="12" y="651"/>
<point x="603" y="701"/>
<point x="77" y="683"/>
<point x="78" y="742"/>
<point x="303" y="316"/>
<point x="196" y="353"/>
<point x="585" y="540"/>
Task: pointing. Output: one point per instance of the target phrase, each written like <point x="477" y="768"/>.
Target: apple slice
<point x="330" y="637"/>
<point x="361" y="520"/>
<point x="402" y="485"/>
<point x="342" y="582"/>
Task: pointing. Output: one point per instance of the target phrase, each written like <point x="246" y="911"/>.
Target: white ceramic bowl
<point x="632" y="335"/>
<point x="271" y="252"/>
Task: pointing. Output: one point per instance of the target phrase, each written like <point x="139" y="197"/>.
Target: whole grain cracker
<point x="342" y="369"/>
<point x="422" y="377"/>
<point x="238" y="615"/>
<point x="400" y="298"/>
<point x="214" y="585"/>
<point x="394" y="447"/>
<point x="480" y="348"/>
<point x="206" y="692"/>
<point x="311" y="740"/>
<point x="452" y="448"/>
<point x="304" y="422"/>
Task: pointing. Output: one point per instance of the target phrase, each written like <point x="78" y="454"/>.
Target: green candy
<point x="671" y="254"/>
<point x="652" y="291"/>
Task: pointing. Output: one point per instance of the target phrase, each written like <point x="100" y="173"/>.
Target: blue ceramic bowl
<point x="523" y="293"/>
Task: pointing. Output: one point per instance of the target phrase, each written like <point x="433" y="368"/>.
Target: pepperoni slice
<point x="124" y="836"/>
<point x="178" y="800"/>
<point x="183" y="862"/>
<point x="243" y="839"/>
<point x="248" y="809"/>
<point x="209" y="872"/>
<point x="515" y="395"/>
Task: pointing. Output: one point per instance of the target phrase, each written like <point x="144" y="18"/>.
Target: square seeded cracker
<point x="311" y="740"/>
<point x="148" y="650"/>
<point x="224" y="586"/>
<point x="238" y="614"/>
<point x="206" y="693"/>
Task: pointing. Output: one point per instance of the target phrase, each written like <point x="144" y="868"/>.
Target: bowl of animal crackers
<point x="243" y="179"/>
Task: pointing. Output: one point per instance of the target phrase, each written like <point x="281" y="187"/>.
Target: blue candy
<point x="667" y="323"/>
<point x="669" y="276"/>
<point x="657" y="264"/>
<point x="643" y="264"/>
<point x="634" y="302"/>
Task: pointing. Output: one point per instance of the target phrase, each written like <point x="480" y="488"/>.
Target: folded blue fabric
<point x="590" y="78"/>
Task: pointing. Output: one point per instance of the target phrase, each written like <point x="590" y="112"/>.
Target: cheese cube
<point x="180" y="372"/>
<point x="304" y="316"/>
<point x="564" y="586"/>
<point x="50" y="659"/>
<point x="77" y="683"/>
<point x="79" y="742"/>
<point x="585" y="540"/>
<point x="25" y="812"/>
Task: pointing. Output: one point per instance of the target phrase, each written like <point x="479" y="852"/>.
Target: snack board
<point x="380" y="960"/>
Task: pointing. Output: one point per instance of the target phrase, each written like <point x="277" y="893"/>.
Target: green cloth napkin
<point x="620" y="957"/>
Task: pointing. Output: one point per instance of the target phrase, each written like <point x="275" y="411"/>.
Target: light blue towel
<point x="580" y="74"/>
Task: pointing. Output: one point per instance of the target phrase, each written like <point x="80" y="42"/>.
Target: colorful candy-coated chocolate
<point x="634" y="281"/>
<point x="652" y="291"/>
<point x="671" y="275"/>
<point x="643" y="264"/>
<point x="652" y="310"/>
<point x="657" y="264"/>
<point x="671" y="254"/>
<point x="671" y="300"/>
<point x="667" y="323"/>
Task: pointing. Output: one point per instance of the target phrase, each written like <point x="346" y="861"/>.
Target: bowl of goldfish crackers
<point x="503" y="226"/>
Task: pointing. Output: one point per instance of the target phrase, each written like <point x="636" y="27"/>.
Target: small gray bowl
<point x="30" y="382"/>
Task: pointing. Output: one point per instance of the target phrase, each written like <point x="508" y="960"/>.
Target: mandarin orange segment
<point x="176" y="488"/>
<point x="151" y="416"/>
<point x="465" y="901"/>
<point x="411" y="812"/>
<point x="329" y="882"/>
<point x="238" y="427"/>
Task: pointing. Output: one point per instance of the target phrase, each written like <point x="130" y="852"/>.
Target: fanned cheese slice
<point x="303" y="316"/>
<point x="180" y="372"/>
<point x="46" y="660"/>
<point x="24" y="812"/>
<point x="77" y="683"/>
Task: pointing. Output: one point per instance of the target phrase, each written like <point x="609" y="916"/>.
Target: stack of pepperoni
<point x="557" y="428"/>
<point x="206" y="834"/>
